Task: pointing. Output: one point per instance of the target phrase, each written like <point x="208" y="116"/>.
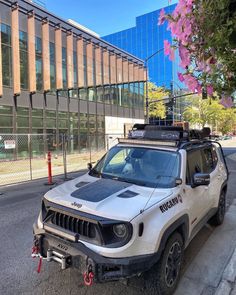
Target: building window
<point x="51" y="126"/>
<point x="63" y="122"/>
<point x="114" y="96"/>
<point x="22" y="120"/>
<point x="6" y="55"/>
<point x="120" y="94"/>
<point x="83" y="93"/>
<point x="92" y="132"/>
<point x="100" y="94"/>
<point x="52" y="66"/>
<point x="107" y="93"/>
<point x="38" y="56"/>
<point x="83" y="132"/>
<point x="23" y="40"/>
<point x="136" y="95"/>
<point x="125" y="102"/>
<point x="64" y="68"/>
<point x="91" y="94"/>
<point x="131" y="95"/>
<point x="141" y="95"/>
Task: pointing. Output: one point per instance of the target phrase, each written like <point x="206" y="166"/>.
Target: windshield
<point x="141" y="166"/>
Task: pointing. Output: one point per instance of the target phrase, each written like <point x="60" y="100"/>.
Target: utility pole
<point x="147" y="98"/>
<point x="172" y="101"/>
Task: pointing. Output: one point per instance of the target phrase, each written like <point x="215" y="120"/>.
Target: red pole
<point x="49" y="169"/>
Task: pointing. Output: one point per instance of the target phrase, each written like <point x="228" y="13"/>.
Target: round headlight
<point x="120" y="230"/>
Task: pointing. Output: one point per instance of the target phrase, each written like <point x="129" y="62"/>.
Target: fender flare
<point x="182" y="222"/>
<point x="224" y="186"/>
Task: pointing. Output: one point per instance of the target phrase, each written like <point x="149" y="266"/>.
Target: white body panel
<point x="145" y="207"/>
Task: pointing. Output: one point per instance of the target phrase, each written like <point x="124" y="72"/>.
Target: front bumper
<point x="76" y="254"/>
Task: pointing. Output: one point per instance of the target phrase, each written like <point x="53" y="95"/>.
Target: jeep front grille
<point x="73" y="224"/>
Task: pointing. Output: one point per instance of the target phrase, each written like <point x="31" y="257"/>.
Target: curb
<point x="228" y="279"/>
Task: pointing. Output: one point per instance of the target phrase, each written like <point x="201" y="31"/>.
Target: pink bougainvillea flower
<point x="199" y="89"/>
<point x="226" y="102"/>
<point x="191" y="82"/>
<point x="162" y="17"/>
<point x="210" y="90"/>
<point x="190" y="2"/>
<point x="184" y="56"/>
<point x="167" y="47"/>
<point x="181" y="77"/>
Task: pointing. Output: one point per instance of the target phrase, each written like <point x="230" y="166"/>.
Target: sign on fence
<point x="9" y="144"/>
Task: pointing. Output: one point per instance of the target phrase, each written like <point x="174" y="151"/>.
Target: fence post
<point x="90" y="149"/>
<point x="49" y="160"/>
<point x="30" y="156"/>
<point x="64" y="155"/>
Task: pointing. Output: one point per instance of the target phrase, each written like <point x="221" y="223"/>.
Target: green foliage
<point x="227" y="122"/>
<point x="203" y="112"/>
<point x="217" y="20"/>
<point x="156" y="109"/>
<point x="204" y="31"/>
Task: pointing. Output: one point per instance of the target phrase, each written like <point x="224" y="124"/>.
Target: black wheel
<point x="166" y="274"/>
<point x="218" y="218"/>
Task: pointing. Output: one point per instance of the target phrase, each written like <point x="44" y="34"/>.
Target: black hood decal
<point x="127" y="194"/>
<point x="99" y="190"/>
<point x="81" y="183"/>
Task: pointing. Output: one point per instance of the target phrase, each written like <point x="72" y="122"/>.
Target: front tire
<point x="167" y="271"/>
<point x="218" y="218"/>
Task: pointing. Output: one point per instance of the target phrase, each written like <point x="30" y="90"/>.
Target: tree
<point x="203" y="112"/>
<point x="204" y="32"/>
<point x="156" y="109"/>
<point x="228" y="121"/>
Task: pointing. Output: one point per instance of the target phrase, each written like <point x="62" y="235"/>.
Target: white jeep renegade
<point x="140" y="205"/>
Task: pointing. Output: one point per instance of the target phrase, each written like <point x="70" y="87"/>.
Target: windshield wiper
<point x="133" y="181"/>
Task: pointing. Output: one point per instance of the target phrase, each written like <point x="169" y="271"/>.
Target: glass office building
<point x="145" y="39"/>
<point x="57" y="78"/>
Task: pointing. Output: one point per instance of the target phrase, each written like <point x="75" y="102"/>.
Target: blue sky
<point x="104" y="16"/>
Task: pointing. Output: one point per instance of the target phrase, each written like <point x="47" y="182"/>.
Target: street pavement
<point x="209" y="264"/>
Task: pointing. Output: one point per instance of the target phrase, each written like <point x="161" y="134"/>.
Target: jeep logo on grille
<point x="76" y="205"/>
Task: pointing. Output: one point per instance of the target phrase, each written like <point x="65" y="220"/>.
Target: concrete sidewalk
<point x="213" y="270"/>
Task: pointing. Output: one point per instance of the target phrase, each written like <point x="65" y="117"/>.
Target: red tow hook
<point x="35" y="253"/>
<point x="88" y="278"/>
<point x="39" y="264"/>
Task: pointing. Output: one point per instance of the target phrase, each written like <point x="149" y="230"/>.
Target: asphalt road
<point x="19" y="207"/>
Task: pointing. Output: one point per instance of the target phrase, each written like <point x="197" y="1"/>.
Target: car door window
<point x="194" y="164"/>
<point x="209" y="157"/>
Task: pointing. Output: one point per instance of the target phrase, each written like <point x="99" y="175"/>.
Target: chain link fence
<point x="23" y="157"/>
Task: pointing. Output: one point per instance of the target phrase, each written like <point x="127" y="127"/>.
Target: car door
<point x="197" y="196"/>
<point x="211" y="166"/>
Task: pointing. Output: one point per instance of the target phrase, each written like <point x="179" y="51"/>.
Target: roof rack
<point x="165" y="135"/>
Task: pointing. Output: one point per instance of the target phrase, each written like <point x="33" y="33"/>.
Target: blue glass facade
<point x="145" y="39"/>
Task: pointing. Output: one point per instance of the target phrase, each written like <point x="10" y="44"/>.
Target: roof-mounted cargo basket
<point x="164" y="135"/>
<point x="154" y="132"/>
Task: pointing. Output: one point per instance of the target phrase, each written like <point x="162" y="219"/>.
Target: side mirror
<point x="178" y="181"/>
<point x="90" y="166"/>
<point x="201" y="179"/>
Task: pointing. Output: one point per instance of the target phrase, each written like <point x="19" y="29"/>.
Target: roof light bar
<point x="148" y="142"/>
